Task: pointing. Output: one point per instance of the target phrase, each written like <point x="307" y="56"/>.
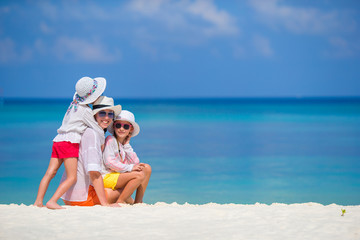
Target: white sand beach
<point x="174" y="221"/>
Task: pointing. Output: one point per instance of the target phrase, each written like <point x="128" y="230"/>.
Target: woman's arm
<point x="92" y="156"/>
<point x="89" y="120"/>
<point x="98" y="184"/>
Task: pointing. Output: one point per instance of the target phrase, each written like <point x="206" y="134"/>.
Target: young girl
<point x="78" y="117"/>
<point x="122" y="166"/>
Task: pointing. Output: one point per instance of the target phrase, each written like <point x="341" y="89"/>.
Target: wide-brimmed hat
<point x="88" y="89"/>
<point x="104" y="103"/>
<point x="126" y="116"/>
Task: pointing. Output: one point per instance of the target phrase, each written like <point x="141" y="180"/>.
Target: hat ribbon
<point x="78" y="99"/>
<point x="101" y="106"/>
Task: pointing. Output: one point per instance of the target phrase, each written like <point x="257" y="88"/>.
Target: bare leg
<point x="130" y="200"/>
<point x="71" y="173"/>
<point x="129" y="182"/>
<point x="140" y="192"/>
<point x="53" y="167"/>
<point x="113" y="196"/>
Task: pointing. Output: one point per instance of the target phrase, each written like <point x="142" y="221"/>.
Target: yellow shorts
<point x="110" y="180"/>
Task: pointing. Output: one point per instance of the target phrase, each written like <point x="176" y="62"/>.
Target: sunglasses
<point x="103" y="114"/>
<point x="124" y="125"/>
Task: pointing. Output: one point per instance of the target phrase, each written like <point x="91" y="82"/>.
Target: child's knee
<point x="51" y="173"/>
<point x="140" y="176"/>
<point x="72" y="179"/>
<point x="148" y="168"/>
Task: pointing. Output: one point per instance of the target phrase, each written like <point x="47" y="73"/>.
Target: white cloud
<point x="176" y="23"/>
<point x="278" y="14"/>
<point x="238" y="51"/>
<point x="262" y="45"/>
<point x="147" y="7"/>
<point x="9" y="52"/>
<point x="201" y="16"/>
<point x="79" y="11"/>
<point x="343" y="48"/>
<point x="221" y="21"/>
<point x="83" y="50"/>
<point x="155" y="27"/>
<point x="49" y="10"/>
<point x="41" y="47"/>
<point x="45" y="28"/>
<point x="148" y="49"/>
<point x="4" y="10"/>
<point x="302" y="20"/>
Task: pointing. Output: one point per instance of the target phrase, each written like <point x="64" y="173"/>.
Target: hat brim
<point x="95" y="95"/>
<point x="116" y="109"/>
<point x="134" y="124"/>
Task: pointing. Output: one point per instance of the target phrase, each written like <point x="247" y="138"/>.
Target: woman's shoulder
<point x="89" y="137"/>
<point x="89" y="132"/>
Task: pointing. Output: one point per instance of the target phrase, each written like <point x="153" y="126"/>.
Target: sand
<point x="174" y="221"/>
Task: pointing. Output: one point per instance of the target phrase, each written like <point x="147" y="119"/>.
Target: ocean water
<point x="207" y="150"/>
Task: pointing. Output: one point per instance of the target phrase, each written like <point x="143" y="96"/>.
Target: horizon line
<point x="304" y="98"/>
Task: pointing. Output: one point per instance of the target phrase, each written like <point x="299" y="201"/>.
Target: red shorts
<point x="90" y="201"/>
<point x="65" y="150"/>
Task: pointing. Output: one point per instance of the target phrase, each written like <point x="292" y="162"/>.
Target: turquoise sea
<point x="207" y="150"/>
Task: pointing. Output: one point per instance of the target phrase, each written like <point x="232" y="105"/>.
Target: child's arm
<point x="112" y="158"/>
<point x="88" y="118"/>
<point x="130" y="155"/>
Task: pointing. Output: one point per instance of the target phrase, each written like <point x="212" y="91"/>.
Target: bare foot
<point x="114" y="205"/>
<point x="53" y="205"/>
<point x="39" y="204"/>
<point x="129" y="200"/>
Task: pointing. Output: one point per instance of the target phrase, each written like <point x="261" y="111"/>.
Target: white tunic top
<point x="90" y="159"/>
<point x="118" y="157"/>
<point x="75" y="123"/>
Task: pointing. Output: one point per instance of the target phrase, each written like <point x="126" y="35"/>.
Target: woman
<point x="123" y="169"/>
<point x="89" y="188"/>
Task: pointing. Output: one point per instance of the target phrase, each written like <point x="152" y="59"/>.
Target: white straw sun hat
<point x="126" y="116"/>
<point x="104" y="103"/>
<point x="88" y="89"/>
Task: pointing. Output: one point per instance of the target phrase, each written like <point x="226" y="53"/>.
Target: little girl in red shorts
<point x="78" y="117"/>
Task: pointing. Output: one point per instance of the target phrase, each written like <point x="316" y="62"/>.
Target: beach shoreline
<point x="176" y="221"/>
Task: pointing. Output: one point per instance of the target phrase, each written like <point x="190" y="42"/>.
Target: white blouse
<point x="90" y="159"/>
<point x="75" y="123"/>
<point x="118" y="157"/>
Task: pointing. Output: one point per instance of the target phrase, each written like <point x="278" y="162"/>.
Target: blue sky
<point x="181" y="49"/>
